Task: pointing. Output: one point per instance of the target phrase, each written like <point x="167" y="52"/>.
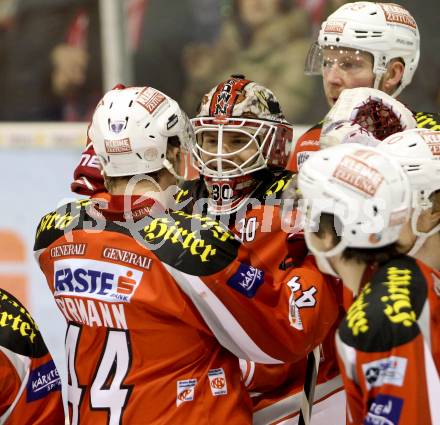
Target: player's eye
<point x="239" y="142"/>
<point x="327" y="64"/>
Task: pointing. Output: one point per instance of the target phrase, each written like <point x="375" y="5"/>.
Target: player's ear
<point x="393" y="76"/>
<point x="434" y="218"/>
<point x="328" y="240"/>
<point x="173" y="155"/>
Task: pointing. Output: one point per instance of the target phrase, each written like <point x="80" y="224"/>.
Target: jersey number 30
<point x="107" y="391"/>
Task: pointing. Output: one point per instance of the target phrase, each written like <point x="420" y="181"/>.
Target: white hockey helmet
<point x="385" y="30"/>
<point x="418" y="152"/>
<point x="131" y="127"/>
<point x="364" y="188"/>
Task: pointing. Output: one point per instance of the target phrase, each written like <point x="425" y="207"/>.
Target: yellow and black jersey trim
<point x="19" y="333"/>
<point x="386" y="311"/>
<point x="428" y="120"/>
<point x="192" y="243"/>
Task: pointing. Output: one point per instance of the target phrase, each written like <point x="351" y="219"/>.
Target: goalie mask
<point x="130" y="130"/>
<point x="418" y="152"/>
<point x="240" y="130"/>
<point x="386" y="31"/>
<point x="365" y="189"/>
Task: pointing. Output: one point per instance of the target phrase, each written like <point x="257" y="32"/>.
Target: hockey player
<point x="363" y="44"/>
<point x="358" y="200"/>
<point x="417" y="152"/>
<point x="242" y="145"/>
<point x="160" y="303"/>
<point x="30" y="390"/>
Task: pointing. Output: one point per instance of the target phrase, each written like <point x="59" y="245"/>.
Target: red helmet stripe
<point x="225" y="96"/>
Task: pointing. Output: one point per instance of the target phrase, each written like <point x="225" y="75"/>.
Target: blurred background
<point x="58" y="56"/>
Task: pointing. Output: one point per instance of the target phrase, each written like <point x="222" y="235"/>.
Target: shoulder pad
<point x="385" y="313"/>
<point x="54" y="224"/>
<point x="428" y="120"/>
<point x="192" y="243"/>
<point x="274" y="188"/>
<point x="19" y="333"/>
<point x="190" y="191"/>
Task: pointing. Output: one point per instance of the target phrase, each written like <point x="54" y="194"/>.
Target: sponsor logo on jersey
<point x="397" y="303"/>
<point x="70" y="249"/>
<point x="384" y="410"/>
<point x="42" y="381"/>
<point x="217" y="382"/>
<point x="301" y="158"/>
<point x="55" y="220"/>
<point x="356" y="318"/>
<point x="95" y="279"/>
<point x="118" y="146"/>
<point x="185" y="391"/>
<point x="164" y="228"/>
<point x="16" y="318"/>
<point x="336" y="27"/>
<point x="150" y="99"/>
<point x="389" y="370"/>
<point x="247" y="280"/>
<point x="310" y="142"/>
<point x="358" y="175"/>
<point x="127" y="257"/>
<point x="396" y="14"/>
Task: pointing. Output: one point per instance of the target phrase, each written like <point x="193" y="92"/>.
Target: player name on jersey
<point x="92" y="313"/>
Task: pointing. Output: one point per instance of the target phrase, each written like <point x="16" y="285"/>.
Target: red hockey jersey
<point x="264" y="225"/>
<point x="388" y="347"/>
<point x="30" y="390"/>
<point x="309" y="141"/>
<point x="159" y="307"/>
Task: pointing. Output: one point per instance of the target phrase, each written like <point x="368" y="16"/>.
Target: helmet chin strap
<point x="420" y="240"/>
<point x="322" y="257"/>
<point x="324" y="265"/>
<point x="421" y="236"/>
<point x="167" y="164"/>
<point x="378" y="79"/>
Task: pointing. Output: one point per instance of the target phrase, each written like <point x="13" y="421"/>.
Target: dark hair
<point x="329" y="223"/>
<point x="435" y="199"/>
<point x="174" y="141"/>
